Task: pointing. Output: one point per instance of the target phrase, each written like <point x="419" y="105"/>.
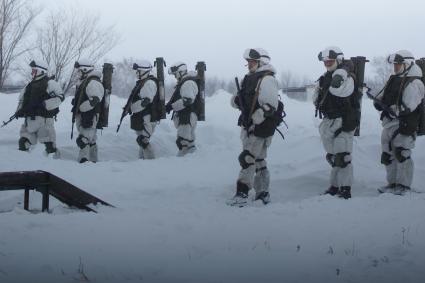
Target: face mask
<point x="332" y="67"/>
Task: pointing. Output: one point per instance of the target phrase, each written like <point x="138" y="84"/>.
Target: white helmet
<point x="84" y="66"/>
<point x="258" y="54"/>
<point x="179" y="69"/>
<point x="401" y="57"/>
<point x="331" y="53"/>
<point x="39" y="68"/>
<point x="142" y="68"/>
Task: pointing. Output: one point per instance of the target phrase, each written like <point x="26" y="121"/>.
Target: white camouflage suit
<point x="148" y="91"/>
<point x="40" y="128"/>
<point x="88" y="136"/>
<point x="401" y="172"/>
<point x="341" y="176"/>
<point x="186" y="132"/>
<point x="256" y="175"/>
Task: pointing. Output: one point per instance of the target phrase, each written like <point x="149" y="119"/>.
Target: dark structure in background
<point x="48" y="185"/>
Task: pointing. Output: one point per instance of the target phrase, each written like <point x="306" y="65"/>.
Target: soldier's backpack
<point x="355" y="67"/>
<point x="104" y="103"/>
<point x="421" y="126"/>
<point x="157" y="106"/>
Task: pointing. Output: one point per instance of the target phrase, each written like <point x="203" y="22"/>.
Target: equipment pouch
<point x="87" y="119"/>
<point x="136" y="121"/>
<point x="351" y="120"/>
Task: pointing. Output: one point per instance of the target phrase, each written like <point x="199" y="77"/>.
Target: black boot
<point x="242" y="190"/>
<point x="263" y="196"/>
<point x="331" y="191"/>
<point x="345" y="192"/>
<point x="24" y="144"/>
<point x="241" y="197"/>
<point x="49" y="147"/>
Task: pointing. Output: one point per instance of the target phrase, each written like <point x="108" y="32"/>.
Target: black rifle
<point x="241" y="106"/>
<point x="75" y="106"/>
<point x="14" y="116"/>
<point x="10" y="120"/>
<point x="75" y="111"/>
<point x="383" y="106"/>
<point x="126" y="109"/>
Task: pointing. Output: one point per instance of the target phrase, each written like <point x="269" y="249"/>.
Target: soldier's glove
<point x="337" y="81"/>
<point x="19" y="113"/>
<point x="73" y="102"/>
<point x="93" y="101"/>
<point x="377" y="106"/>
<point x="168" y="108"/>
<point x="145" y="101"/>
<point x="237" y="101"/>
<point x="268" y="110"/>
<point x="187" y="101"/>
<point x="404" y="111"/>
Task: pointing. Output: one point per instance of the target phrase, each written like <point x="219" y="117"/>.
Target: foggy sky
<point x="293" y="32"/>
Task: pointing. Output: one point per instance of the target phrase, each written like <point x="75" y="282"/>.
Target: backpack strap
<point x="257" y="93"/>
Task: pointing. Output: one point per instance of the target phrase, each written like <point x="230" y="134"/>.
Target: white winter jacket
<point x="93" y="89"/>
<point x="56" y="95"/>
<point x="148" y="90"/>
<point x="268" y="94"/>
<point x="345" y="90"/>
<point x="411" y="97"/>
<point x="188" y="91"/>
<point x="55" y="92"/>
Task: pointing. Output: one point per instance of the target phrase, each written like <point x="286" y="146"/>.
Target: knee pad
<point x="82" y="141"/>
<point x="330" y="159"/>
<point x="24" y="144"/>
<point x="386" y="158"/>
<point x="142" y="141"/>
<point x="49" y="147"/>
<point x="402" y="154"/>
<point x="342" y="159"/>
<point x="180" y="144"/>
<point x="246" y="159"/>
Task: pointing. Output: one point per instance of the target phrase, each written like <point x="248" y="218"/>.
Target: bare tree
<point x="381" y="72"/>
<point x="124" y="78"/>
<point x="286" y="79"/>
<point x="16" y="17"/>
<point x="69" y="35"/>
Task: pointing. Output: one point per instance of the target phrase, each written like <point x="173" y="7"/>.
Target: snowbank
<point x="171" y="223"/>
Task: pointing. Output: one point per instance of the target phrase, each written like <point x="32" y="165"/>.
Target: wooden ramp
<point x="48" y="185"/>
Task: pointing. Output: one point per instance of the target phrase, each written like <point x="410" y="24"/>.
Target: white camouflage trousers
<point x="338" y="151"/>
<point x="39" y="129"/>
<point x="254" y="172"/>
<point x="186" y="135"/>
<point x="86" y="140"/>
<point x="396" y="149"/>
<point x="143" y="139"/>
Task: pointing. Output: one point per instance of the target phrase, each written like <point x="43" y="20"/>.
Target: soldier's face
<point x="398" y="68"/>
<point x="252" y="65"/>
<point x="329" y="64"/>
<point x="33" y="73"/>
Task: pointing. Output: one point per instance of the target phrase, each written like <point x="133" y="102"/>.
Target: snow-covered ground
<point x="171" y="223"/>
